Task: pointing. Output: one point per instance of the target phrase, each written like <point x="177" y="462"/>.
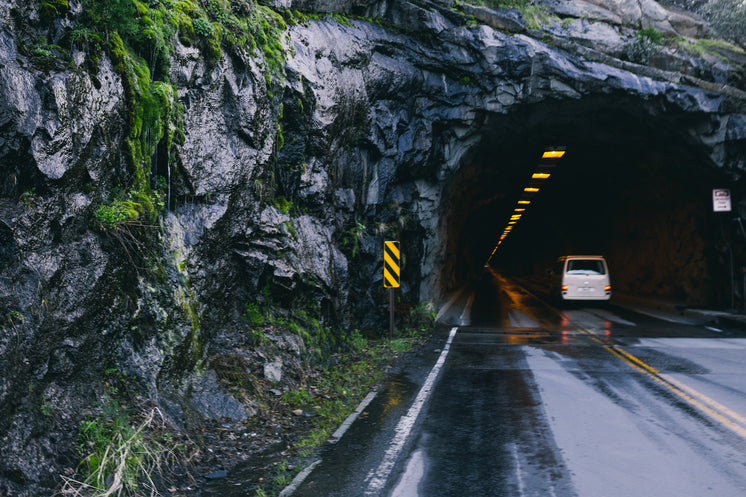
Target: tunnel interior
<point x="634" y="185"/>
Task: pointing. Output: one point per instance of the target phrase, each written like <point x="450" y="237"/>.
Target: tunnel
<point x="634" y="185"/>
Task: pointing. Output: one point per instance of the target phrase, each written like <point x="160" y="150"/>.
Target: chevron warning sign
<point x="391" y="267"/>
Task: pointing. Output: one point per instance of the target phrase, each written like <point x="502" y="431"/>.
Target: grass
<point x="698" y="47"/>
<point x="121" y="459"/>
<point x="124" y="449"/>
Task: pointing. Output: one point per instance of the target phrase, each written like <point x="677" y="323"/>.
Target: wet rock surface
<point x="278" y="193"/>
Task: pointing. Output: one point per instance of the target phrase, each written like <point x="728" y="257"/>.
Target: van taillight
<point x="563" y="288"/>
<point x="607" y="288"/>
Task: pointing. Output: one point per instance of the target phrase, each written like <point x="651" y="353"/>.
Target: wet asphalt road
<point x="513" y="397"/>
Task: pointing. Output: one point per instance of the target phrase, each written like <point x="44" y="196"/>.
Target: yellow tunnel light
<point x="540" y="175"/>
<point x="531" y="189"/>
<point x="553" y="154"/>
<point x="524" y="202"/>
<point x="519" y="209"/>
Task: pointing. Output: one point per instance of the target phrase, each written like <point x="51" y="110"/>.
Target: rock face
<point x="279" y="191"/>
<point x="639" y="14"/>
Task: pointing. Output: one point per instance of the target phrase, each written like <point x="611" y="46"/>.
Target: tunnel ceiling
<point x="633" y="186"/>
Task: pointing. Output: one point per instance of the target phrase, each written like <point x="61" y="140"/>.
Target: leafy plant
<point x="202" y="27"/>
<point x="13" y="316"/>
<point x="46" y="409"/>
<point x="647" y="43"/>
<point x="137" y="207"/>
<point x="41" y="51"/>
<point x="29" y="197"/>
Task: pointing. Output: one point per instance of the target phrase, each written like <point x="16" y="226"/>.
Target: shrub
<point x="138" y="207"/>
<point x="648" y="42"/>
<point x="202" y="27"/>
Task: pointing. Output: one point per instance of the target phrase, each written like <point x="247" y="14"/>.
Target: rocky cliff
<point x="159" y="179"/>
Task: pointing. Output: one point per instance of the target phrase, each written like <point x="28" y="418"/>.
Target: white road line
<point x="377" y="479"/>
<point x="299" y="479"/>
<point x="714" y="329"/>
<point x="518" y="471"/>
<point x="351" y="418"/>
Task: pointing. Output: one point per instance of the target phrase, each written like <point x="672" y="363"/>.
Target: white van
<point x="581" y="277"/>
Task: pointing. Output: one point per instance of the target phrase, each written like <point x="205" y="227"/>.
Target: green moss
<point x="51" y="9"/>
<point x="700" y="47"/>
<point x="212" y="50"/>
<point x="59" y="7"/>
<point x="341" y="19"/>
<point x="152" y="114"/>
<point x="283" y="205"/>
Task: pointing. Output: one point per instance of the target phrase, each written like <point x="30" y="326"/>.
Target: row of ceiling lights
<point x="543" y="170"/>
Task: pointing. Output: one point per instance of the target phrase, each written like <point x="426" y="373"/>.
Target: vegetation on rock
<point x="728" y="19"/>
<point x="139" y="37"/>
<point x="124" y="445"/>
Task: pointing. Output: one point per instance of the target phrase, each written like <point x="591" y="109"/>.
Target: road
<point x="514" y="397"/>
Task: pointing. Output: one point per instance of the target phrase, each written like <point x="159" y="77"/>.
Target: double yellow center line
<point x="702" y="402"/>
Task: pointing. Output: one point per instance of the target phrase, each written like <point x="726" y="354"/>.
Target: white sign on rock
<point x="721" y="200"/>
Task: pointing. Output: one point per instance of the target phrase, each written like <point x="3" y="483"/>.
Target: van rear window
<point x="585" y="266"/>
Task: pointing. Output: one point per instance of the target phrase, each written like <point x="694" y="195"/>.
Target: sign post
<point x="721" y="203"/>
<point x="391" y="275"/>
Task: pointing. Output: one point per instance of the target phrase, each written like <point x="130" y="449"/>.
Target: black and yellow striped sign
<point x="391" y="267"/>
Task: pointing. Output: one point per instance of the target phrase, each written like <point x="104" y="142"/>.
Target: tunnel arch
<point x="635" y="185"/>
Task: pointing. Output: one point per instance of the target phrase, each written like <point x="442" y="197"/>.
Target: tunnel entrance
<point x="635" y="185"/>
